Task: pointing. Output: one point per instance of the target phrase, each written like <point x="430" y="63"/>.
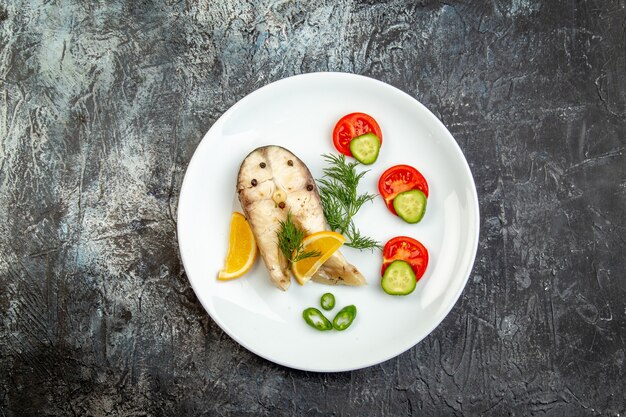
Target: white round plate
<point x="299" y="113"/>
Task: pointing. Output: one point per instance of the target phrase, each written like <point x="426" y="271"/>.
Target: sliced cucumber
<point x="410" y="205"/>
<point x="399" y="278"/>
<point x="365" y="148"/>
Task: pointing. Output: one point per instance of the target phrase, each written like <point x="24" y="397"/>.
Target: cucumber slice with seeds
<point x="399" y="278"/>
<point x="365" y="148"/>
<point x="410" y="205"/>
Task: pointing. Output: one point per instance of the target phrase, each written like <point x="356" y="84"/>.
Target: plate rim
<point x="395" y="90"/>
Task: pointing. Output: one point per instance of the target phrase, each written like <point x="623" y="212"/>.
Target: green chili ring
<point x="316" y="319"/>
<point x="327" y="301"/>
<point x="344" y="318"/>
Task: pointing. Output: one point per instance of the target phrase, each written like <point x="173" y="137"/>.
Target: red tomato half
<point x="353" y="125"/>
<point x="398" y="179"/>
<point x="409" y="250"/>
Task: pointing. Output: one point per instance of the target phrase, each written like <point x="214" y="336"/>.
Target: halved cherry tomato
<point x="353" y="125"/>
<point x="409" y="250"/>
<point x="400" y="178"/>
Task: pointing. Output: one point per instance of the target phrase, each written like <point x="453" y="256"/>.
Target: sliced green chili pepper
<point x="328" y="301"/>
<point x="316" y="319"/>
<point x="344" y="318"/>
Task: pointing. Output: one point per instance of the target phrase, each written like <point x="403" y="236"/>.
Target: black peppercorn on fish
<point x="272" y="181"/>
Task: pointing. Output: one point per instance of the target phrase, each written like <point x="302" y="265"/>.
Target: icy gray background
<point x="102" y="104"/>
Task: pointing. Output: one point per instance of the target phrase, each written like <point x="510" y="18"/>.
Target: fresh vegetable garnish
<point x="340" y="200"/>
<point x="241" y="249"/>
<point x="407" y="249"/>
<point x="323" y="245"/>
<point x="316" y="319"/>
<point x="410" y="205"/>
<point x="353" y="125"/>
<point x="327" y="301"/>
<point x="398" y="179"/>
<point x="344" y="318"/>
<point x="399" y="279"/>
<point x="290" y="238"/>
<point x="365" y="148"/>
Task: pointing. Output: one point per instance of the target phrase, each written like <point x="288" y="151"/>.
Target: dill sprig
<point x="341" y="200"/>
<point x="290" y="239"/>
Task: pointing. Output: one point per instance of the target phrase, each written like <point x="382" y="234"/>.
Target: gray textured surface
<point x="103" y="103"/>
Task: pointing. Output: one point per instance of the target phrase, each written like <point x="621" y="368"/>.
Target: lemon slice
<point x="326" y="243"/>
<point x="242" y="249"/>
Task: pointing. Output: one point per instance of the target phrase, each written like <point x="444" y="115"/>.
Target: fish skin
<point x="305" y="205"/>
<point x="337" y="271"/>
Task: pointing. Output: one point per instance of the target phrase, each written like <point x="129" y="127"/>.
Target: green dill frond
<point x="358" y="241"/>
<point x="306" y="254"/>
<point x="362" y="199"/>
<point x="289" y="236"/>
<point x="341" y="201"/>
<point x="290" y="239"/>
<point x="333" y="212"/>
